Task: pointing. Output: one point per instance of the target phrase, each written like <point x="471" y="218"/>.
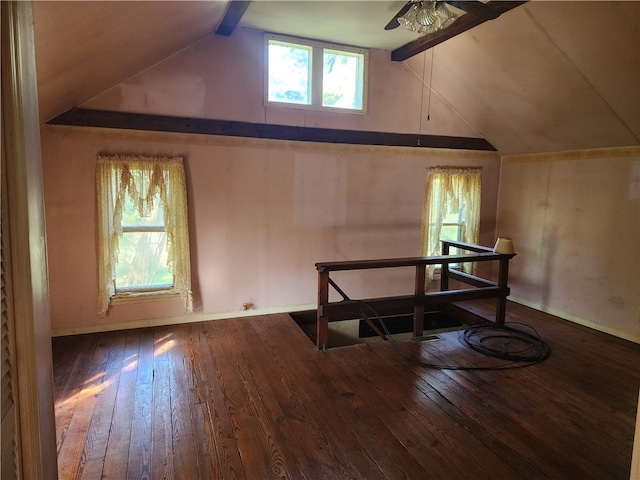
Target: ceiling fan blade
<point x="393" y="23"/>
<point x="476" y="8"/>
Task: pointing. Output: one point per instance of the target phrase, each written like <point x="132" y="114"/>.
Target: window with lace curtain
<point x="451" y="211"/>
<point x="142" y="228"/>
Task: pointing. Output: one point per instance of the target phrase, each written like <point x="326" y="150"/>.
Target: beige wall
<point x="575" y="221"/>
<point x="223" y="78"/>
<point x="262" y="213"/>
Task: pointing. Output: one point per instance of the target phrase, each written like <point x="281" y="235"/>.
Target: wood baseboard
<point x="175" y="320"/>
<point x="576" y="319"/>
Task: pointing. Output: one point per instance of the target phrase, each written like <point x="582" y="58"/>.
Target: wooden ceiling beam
<point x="462" y="24"/>
<point x="201" y="126"/>
<point x="232" y="16"/>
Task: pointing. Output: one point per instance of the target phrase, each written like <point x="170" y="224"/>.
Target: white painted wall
<point x="575" y="220"/>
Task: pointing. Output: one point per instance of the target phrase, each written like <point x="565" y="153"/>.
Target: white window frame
<point x="316" y="74"/>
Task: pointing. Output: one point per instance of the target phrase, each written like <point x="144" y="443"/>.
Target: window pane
<point x="289" y="73"/>
<point x="142" y="260"/>
<point x="453" y="233"/>
<point x="131" y="217"/>
<point x="342" y="79"/>
<point x="455" y="217"/>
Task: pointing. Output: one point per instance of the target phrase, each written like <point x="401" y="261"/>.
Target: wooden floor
<point x="252" y="398"/>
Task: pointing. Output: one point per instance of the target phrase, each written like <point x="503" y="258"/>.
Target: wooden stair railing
<point x="350" y="309"/>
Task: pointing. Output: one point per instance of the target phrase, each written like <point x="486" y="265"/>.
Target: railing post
<point x="322" y="322"/>
<point x="418" y="308"/>
<point x="503" y="276"/>
<point x="444" y="269"/>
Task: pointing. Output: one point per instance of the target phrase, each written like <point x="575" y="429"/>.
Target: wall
<point x="223" y="78"/>
<point x="262" y="213"/>
<point x="575" y="221"/>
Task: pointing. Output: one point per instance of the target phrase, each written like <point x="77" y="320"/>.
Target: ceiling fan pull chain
<point x="430" y="85"/>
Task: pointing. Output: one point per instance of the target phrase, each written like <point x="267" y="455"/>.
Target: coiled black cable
<point x="520" y="348"/>
<point x="506" y="339"/>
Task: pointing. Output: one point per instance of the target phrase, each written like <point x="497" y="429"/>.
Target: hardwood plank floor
<point x="252" y="398"/>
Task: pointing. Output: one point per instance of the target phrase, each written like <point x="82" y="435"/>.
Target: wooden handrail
<point x="406" y="262"/>
<point x="333" y="311"/>
<point x="464" y="246"/>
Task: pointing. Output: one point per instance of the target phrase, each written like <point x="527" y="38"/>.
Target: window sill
<point x="138" y="297"/>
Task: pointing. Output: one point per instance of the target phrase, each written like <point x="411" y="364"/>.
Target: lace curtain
<point x="449" y="190"/>
<point x="142" y="178"/>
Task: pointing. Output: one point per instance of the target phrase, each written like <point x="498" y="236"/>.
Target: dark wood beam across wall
<point x="158" y="123"/>
<point x="232" y="16"/>
<point x="461" y="25"/>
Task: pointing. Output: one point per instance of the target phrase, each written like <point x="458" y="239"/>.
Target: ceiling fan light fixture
<point x="427" y="17"/>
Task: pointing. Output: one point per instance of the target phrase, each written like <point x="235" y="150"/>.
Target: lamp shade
<point x="504" y="245"/>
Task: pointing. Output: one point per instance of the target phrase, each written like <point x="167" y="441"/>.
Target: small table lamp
<point x="504" y="245"/>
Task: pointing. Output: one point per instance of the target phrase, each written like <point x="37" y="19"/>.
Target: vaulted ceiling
<point x="545" y="76"/>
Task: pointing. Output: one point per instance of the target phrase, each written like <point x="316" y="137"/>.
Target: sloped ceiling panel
<point x="85" y="47"/>
<point x="536" y="81"/>
<point x="602" y="42"/>
<point x="546" y="76"/>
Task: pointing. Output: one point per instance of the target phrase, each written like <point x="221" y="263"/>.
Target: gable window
<point x="142" y="228"/>
<point x="451" y="210"/>
<point x="309" y="74"/>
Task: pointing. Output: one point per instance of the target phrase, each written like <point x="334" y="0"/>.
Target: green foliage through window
<point x="142" y="256"/>
<point x="342" y="79"/>
<point x="291" y="78"/>
<point x="289" y="73"/>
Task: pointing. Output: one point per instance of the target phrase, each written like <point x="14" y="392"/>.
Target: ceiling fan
<point x="407" y="14"/>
